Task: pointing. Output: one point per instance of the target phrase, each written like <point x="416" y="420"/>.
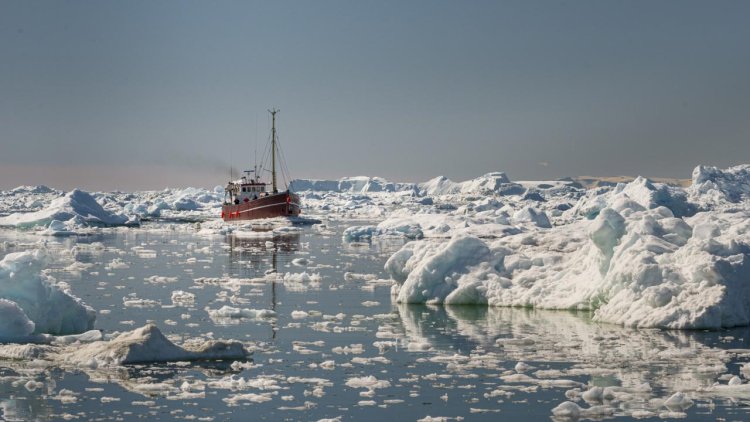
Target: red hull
<point x="281" y="204"/>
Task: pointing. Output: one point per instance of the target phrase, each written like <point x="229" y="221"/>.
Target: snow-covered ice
<point x="76" y="205"/>
<point x="643" y="256"/>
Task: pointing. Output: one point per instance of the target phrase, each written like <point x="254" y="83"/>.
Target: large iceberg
<point x="496" y="182"/>
<point x="357" y="184"/>
<point x="642" y="255"/>
<point x="76" y="204"/>
<point x="31" y="303"/>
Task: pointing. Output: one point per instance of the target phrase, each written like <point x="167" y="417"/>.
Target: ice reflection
<point x="559" y="349"/>
<point x="378" y="245"/>
<point x="22" y="401"/>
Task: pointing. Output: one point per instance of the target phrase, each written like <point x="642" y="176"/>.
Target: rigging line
<point x="255" y="142"/>
<point x="266" y="155"/>
<point x="283" y="167"/>
<point x="286" y="174"/>
<point x="281" y="158"/>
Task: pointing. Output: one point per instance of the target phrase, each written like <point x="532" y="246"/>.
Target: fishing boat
<point x="249" y="198"/>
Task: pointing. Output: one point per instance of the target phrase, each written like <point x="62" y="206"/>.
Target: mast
<point x="273" y="148"/>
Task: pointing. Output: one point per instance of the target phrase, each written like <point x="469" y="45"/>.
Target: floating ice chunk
<point x="678" y="401"/>
<point x="429" y="418"/>
<point x="598" y="394"/>
<point x="32" y="385"/>
<point x="182" y="298"/>
<point x="355" y="349"/>
<point x="369" y="382"/>
<point x="287" y="231"/>
<point x="235" y="399"/>
<point x="231" y="312"/>
<point x="359" y="233"/>
<point x="300" y="262"/>
<point x="303" y="277"/>
<point x="435" y="277"/>
<point x="299" y="314"/>
<point x="60" y="228"/>
<point x="328" y="365"/>
<point x="66" y="396"/>
<point x="571" y="411"/>
<point x="238" y="383"/>
<point x="157" y="279"/>
<point x="14" y="324"/>
<point x="146" y="345"/>
<point x="735" y="380"/>
<point x="133" y="301"/>
<point x="522" y="367"/>
<point x="49" y="305"/>
<point x="117" y="264"/>
<point x="418" y="346"/>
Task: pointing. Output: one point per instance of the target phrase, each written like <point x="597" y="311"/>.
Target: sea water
<point x="339" y="348"/>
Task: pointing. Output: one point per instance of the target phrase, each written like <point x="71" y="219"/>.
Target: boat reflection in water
<point x="259" y="258"/>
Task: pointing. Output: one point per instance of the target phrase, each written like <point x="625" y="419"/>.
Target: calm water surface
<point x="450" y="362"/>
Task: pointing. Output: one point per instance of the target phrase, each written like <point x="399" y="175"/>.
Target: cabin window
<point x="243" y="190"/>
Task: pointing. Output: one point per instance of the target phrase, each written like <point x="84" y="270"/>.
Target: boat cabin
<point x="244" y="190"/>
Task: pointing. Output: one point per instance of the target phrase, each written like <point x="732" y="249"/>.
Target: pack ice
<point x="74" y="209"/>
<point x="639" y="254"/>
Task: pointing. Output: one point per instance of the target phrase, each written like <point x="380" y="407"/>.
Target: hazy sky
<point x="147" y="94"/>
